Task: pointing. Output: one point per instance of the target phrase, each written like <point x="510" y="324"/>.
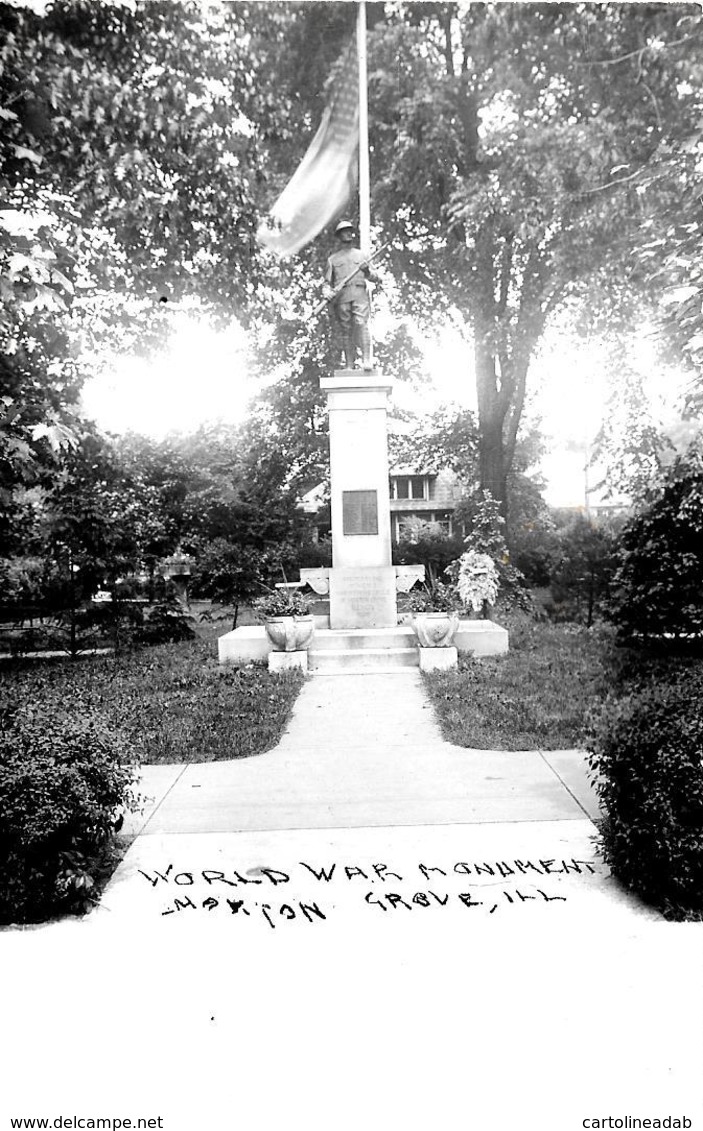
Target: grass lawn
<point x="173" y="702"/>
<point x="170" y="703"/>
<point x="537" y="696"/>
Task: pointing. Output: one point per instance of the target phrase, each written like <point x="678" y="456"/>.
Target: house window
<point x="410" y="487"/>
<point x="406" y="527"/>
<point x="411" y="526"/>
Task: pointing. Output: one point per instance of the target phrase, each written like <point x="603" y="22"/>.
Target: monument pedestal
<point x="438" y="659"/>
<point x="287" y="661"/>
<point x="362" y="579"/>
<point x="363" y="632"/>
<point x="363" y="597"/>
<point x="358" y="650"/>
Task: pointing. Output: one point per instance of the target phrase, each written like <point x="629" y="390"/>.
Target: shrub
<point x="167" y="623"/>
<point x="646" y="751"/>
<point x="229" y="573"/>
<point x="121" y="622"/>
<point x="535" y="562"/>
<point x="582" y="570"/>
<point x="431" y="548"/>
<point x="315" y="555"/>
<point x="21" y="581"/>
<point x="485" y="528"/>
<point x="63" y="779"/>
<point x="533" y="544"/>
<point x="658" y="586"/>
<point x="117" y="623"/>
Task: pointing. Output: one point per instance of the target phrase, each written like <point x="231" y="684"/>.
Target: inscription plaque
<point x="363" y="597"/>
<point x="359" y="512"/>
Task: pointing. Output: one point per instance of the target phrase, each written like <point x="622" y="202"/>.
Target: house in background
<point x="415" y="496"/>
<point x="427" y="496"/>
<point x="316" y="504"/>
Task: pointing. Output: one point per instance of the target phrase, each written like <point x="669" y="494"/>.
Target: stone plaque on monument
<point x="362" y="579"/>
<point x="363" y="597"/>
<point x="359" y="512"/>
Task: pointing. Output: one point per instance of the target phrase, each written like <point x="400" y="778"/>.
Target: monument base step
<point x="359" y="639"/>
<point x="329" y="660"/>
<point x="363" y="649"/>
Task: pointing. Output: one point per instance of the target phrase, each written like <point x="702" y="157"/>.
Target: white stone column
<point x="362" y="578"/>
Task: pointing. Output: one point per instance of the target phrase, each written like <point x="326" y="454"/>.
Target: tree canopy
<point x="524" y="157"/>
<point x="517" y="150"/>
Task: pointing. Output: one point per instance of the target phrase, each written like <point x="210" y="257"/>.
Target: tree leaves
<point x="519" y="183"/>
<point x="130" y="164"/>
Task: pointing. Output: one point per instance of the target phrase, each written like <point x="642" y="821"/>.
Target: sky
<point x="202" y="376"/>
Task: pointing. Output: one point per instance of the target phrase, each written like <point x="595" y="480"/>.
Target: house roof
<point x="314" y="499"/>
<point x="400" y="469"/>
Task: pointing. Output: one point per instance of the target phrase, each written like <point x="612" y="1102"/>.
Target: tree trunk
<point x="491" y="416"/>
<point x="492" y="473"/>
<point x="503" y="346"/>
<point x="591" y="598"/>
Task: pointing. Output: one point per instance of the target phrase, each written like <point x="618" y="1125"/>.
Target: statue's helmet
<point x="344" y="227"/>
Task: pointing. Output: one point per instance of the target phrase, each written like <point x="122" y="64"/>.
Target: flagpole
<point x="364" y="180"/>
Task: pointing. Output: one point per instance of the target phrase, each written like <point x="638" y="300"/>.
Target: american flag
<point x="327" y="175"/>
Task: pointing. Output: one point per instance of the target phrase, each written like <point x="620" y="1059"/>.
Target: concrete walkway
<point x="364" y="926"/>
<point x="360" y="753"/>
<point x="365" y="750"/>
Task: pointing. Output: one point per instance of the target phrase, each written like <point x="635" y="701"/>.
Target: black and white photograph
<point x="351" y="565"/>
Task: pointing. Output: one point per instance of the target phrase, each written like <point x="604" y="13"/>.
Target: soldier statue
<point x="350" y="302"/>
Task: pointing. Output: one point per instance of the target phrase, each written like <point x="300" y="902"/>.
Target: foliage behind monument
<point x="658" y="586"/>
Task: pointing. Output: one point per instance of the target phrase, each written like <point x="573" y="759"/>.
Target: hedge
<point x="64" y="780"/>
<point x="647" y="753"/>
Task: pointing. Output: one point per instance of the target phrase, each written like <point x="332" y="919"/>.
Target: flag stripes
<point x="325" y="179"/>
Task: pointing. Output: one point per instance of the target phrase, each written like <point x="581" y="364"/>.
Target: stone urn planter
<point x="286" y="617"/>
<point x="435" y="630"/>
<point x="290" y="633"/>
<point x="434" y="617"/>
